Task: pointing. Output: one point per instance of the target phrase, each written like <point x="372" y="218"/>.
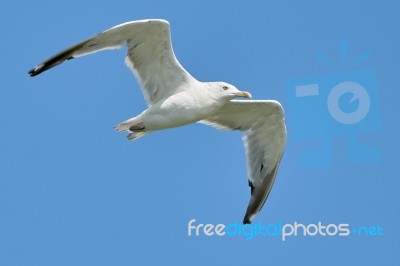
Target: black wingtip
<point x="246" y="220"/>
<point x="36" y="70"/>
<point x="52" y="62"/>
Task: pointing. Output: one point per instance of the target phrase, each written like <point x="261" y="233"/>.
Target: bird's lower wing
<point x="263" y="125"/>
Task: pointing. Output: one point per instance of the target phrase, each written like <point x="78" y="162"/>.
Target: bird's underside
<point x="175" y="98"/>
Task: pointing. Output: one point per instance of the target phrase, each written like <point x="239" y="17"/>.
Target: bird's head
<point x="227" y="92"/>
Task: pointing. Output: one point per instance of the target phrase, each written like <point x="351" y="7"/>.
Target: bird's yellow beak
<point x="243" y="94"/>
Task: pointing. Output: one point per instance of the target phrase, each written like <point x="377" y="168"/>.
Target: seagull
<point x="175" y="98"/>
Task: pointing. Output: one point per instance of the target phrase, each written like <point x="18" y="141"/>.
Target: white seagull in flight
<point x="175" y="98"/>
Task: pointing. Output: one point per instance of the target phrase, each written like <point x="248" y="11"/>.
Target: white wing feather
<point x="150" y="56"/>
<point x="264" y="138"/>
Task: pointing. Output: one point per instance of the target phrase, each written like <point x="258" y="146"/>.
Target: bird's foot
<point x="136" y="135"/>
<point x="137" y="128"/>
<point x="127" y="125"/>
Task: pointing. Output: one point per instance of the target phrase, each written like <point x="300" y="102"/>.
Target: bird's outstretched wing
<point x="263" y="125"/>
<point x="150" y="56"/>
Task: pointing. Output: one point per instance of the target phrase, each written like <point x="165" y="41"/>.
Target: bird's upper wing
<point x="150" y="56"/>
<point x="264" y="138"/>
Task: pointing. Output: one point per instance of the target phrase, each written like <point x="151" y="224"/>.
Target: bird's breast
<point x="178" y="110"/>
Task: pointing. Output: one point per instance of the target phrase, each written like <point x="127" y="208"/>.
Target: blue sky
<point x="75" y="192"/>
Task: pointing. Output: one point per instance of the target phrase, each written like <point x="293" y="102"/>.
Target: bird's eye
<point x="225" y="88"/>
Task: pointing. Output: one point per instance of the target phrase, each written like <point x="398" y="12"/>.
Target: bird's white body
<point x="175" y="98"/>
<point x="177" y="110"/>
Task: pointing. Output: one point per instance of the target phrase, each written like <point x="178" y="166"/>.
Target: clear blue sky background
<point x="75" y="192"/>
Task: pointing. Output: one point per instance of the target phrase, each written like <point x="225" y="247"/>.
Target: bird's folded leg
<point x="137" y="127"/>
<point x="136" y="135"/>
